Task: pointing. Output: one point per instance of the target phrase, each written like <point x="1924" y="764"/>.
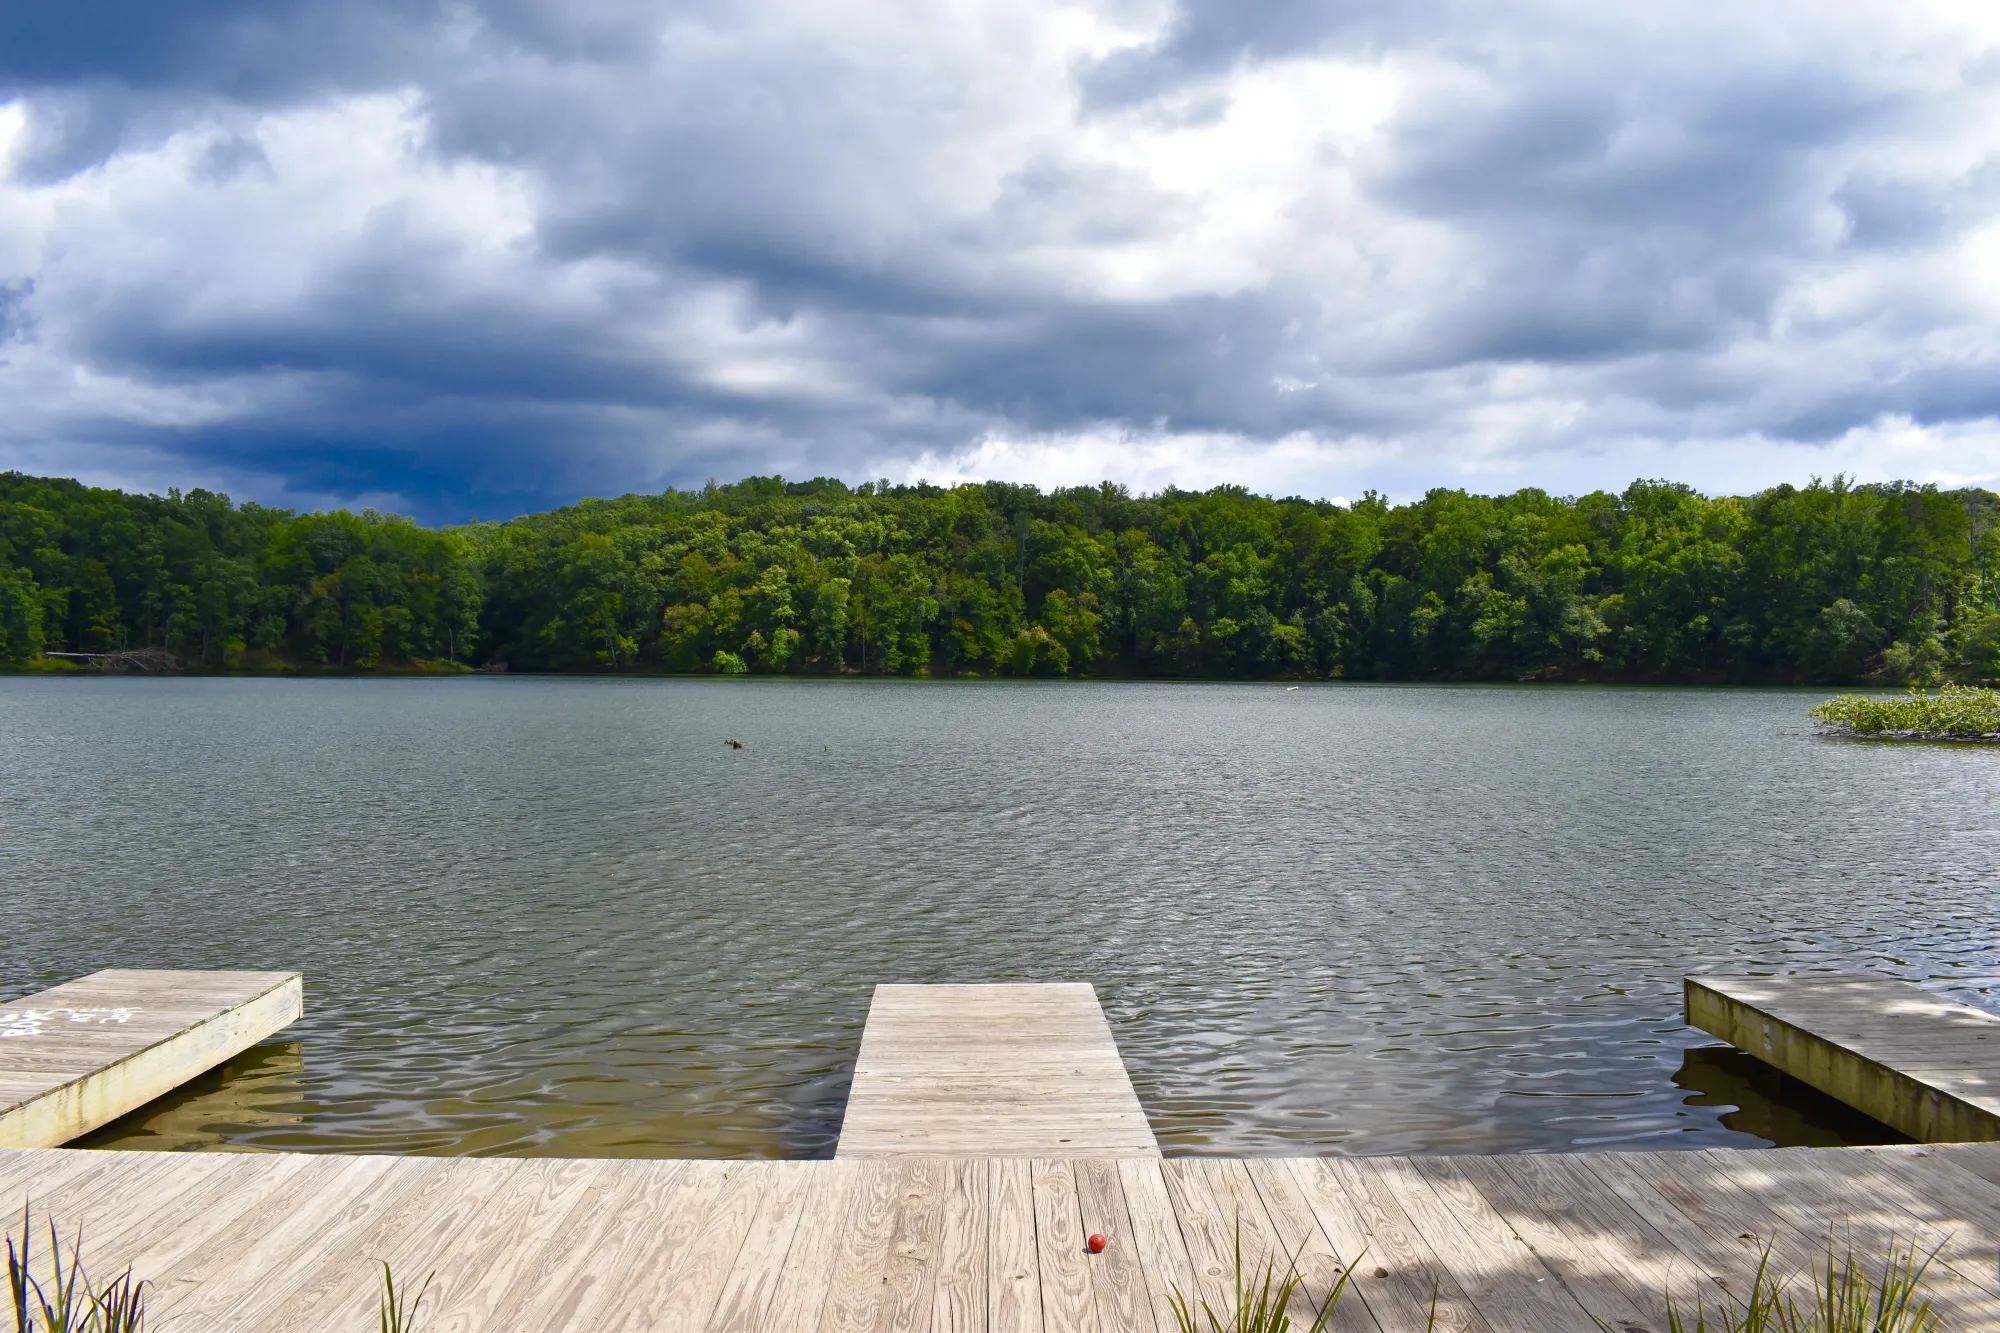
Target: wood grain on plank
<point x="923" y="1186"/>
<point x="1117" y="1285"/>
<point x="1208" y="1230"/>
<point x="807" y="1277"/>
<point x="1266" y="1256"/>
<point x="1156" y="1237"/>
<point x="1923" y="1063"/>
<point x="1512" y="1288"/>
<point x="694" y="1283"/>
<point x="505" y="1238"/>
<point x="285" y="1243"/>
<point x="1067" y="1303"/>
<point x="1300" y="1235"/>
<point x="1013" y="1265"/>
<point x="960" y="1290"/>
<point x="340" y="1283"/>
<point x="77" y="1056"/>
<point x="1404" y="1281"/>
<point x="1771" y="1210"/>
<point x="591" y="1269"/>
<point x="271" y="1245"/>
<point x="1861" y="1218"/>
<point x="761" y="1264"/>
<point x="991" y="1070"/>
<point x="1726" y="1240"/>
<point x="1615" y="1265"/>
<point x="862" y="1252"/>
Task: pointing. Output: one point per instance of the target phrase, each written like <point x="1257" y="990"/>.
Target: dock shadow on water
<point x="1772" y="1105"/>
<point x="260" y="1101"/>
<point x="261" y="1091"/>
<point x="257" y="1092"/>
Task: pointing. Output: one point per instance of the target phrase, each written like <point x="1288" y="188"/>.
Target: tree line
<point x="1830" y="582"/>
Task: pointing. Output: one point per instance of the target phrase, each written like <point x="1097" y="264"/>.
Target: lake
<point x="562" y="917"/>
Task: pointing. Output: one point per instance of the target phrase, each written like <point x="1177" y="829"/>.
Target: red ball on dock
<point x="1096" y="1242"/>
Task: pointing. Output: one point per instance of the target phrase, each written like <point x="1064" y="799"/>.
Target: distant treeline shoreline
<point x="1827" y="583"/>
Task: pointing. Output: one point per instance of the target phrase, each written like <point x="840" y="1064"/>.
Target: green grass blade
<point x="17" y="1270"/>
<point x="395" y="1315"/>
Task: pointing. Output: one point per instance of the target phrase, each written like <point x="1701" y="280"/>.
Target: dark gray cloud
<point x="468" y="258"/>
<point x="256" y="50"/>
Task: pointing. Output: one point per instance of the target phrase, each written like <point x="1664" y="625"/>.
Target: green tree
<point x="1830" y="581"/>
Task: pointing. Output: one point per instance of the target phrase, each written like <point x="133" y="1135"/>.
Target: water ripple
<point x="548" y="916"/>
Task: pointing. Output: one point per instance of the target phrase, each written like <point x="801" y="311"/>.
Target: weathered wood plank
<point x="1725" y="1241"/>
<point x="683" y="1303"/>
<point x="1763" y="1212"/>
<point x="1404" y="1281"/>
<point x="809" y="1265"/>
<point x="1857" y="1214"/>
<point x="1208" y="1228"/>
<point x="1117" y="1285"/>
<point x="1512" y="1288"/>
<point x="1981" y="1159"/>
<point x="989" y="1071"/>
<point x="959" y="1291"/>
<point x="759" y="1271"/>
<point x="1013" y="1264"/>
<point x="1264" y="1249"/>
<point x="235" y="1265"/>
<point x="862" y="1252"/>
<point x="584" y="1275"/>
<point x="30" y="1177"/>
<point x="1912" y="1193"/>
<point x="674" y="1272"/>
<point x="285" y="1243"/>
<point x="413" y="1233"/>
<point x="1156" y="1237"/>
<point x="1917" y="1062"/>
<point x="78" y="1056"/>
<point x="1300" y="1235"/>
<point x="1066" y="1294"/>
<point x="155" y="1212"/>
<point x="1618" y="1264"/>
<point x="479" y="1277"/>
<point x="909" y="1277"/>
<point x="311" y="1249"/>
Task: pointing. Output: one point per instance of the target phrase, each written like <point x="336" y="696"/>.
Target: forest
<point x="1831" y="582"/>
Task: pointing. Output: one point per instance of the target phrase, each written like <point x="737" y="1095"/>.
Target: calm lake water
<point x="543" y="916"/>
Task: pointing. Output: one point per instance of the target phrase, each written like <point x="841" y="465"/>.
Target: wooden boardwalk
<point x="286" y="1243"/>
<point x="991" y="1071"/>
<point x="991" y="1131"/>
<point x="1919" y="1063"/>
<point x="78" y="1056"/>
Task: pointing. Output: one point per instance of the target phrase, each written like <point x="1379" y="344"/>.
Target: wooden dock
<point x="1921" y="1064"/>
<point x="78" y="1056"/>
<point x="288" y="1243"/>
<point x="985" y="1232"/>
<point x="991" y="1071"/>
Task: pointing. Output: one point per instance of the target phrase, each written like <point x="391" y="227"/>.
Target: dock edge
<point x="95" y="1099"/>
<point x="1925" y="1113"/>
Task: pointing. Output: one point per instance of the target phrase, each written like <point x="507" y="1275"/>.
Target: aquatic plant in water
<point x="1955" y="712"/>
<point x="69" y="1303"/>
<point x="1848" y="1296"/>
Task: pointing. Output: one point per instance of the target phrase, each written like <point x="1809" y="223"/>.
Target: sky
<point x="473" y="258"/>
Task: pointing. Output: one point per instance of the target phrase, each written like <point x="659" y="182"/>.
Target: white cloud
<point x="1144" y="461"/>
<point x="541" y="250"/>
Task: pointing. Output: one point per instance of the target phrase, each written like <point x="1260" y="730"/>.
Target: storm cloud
<point x="472" y="258"/>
